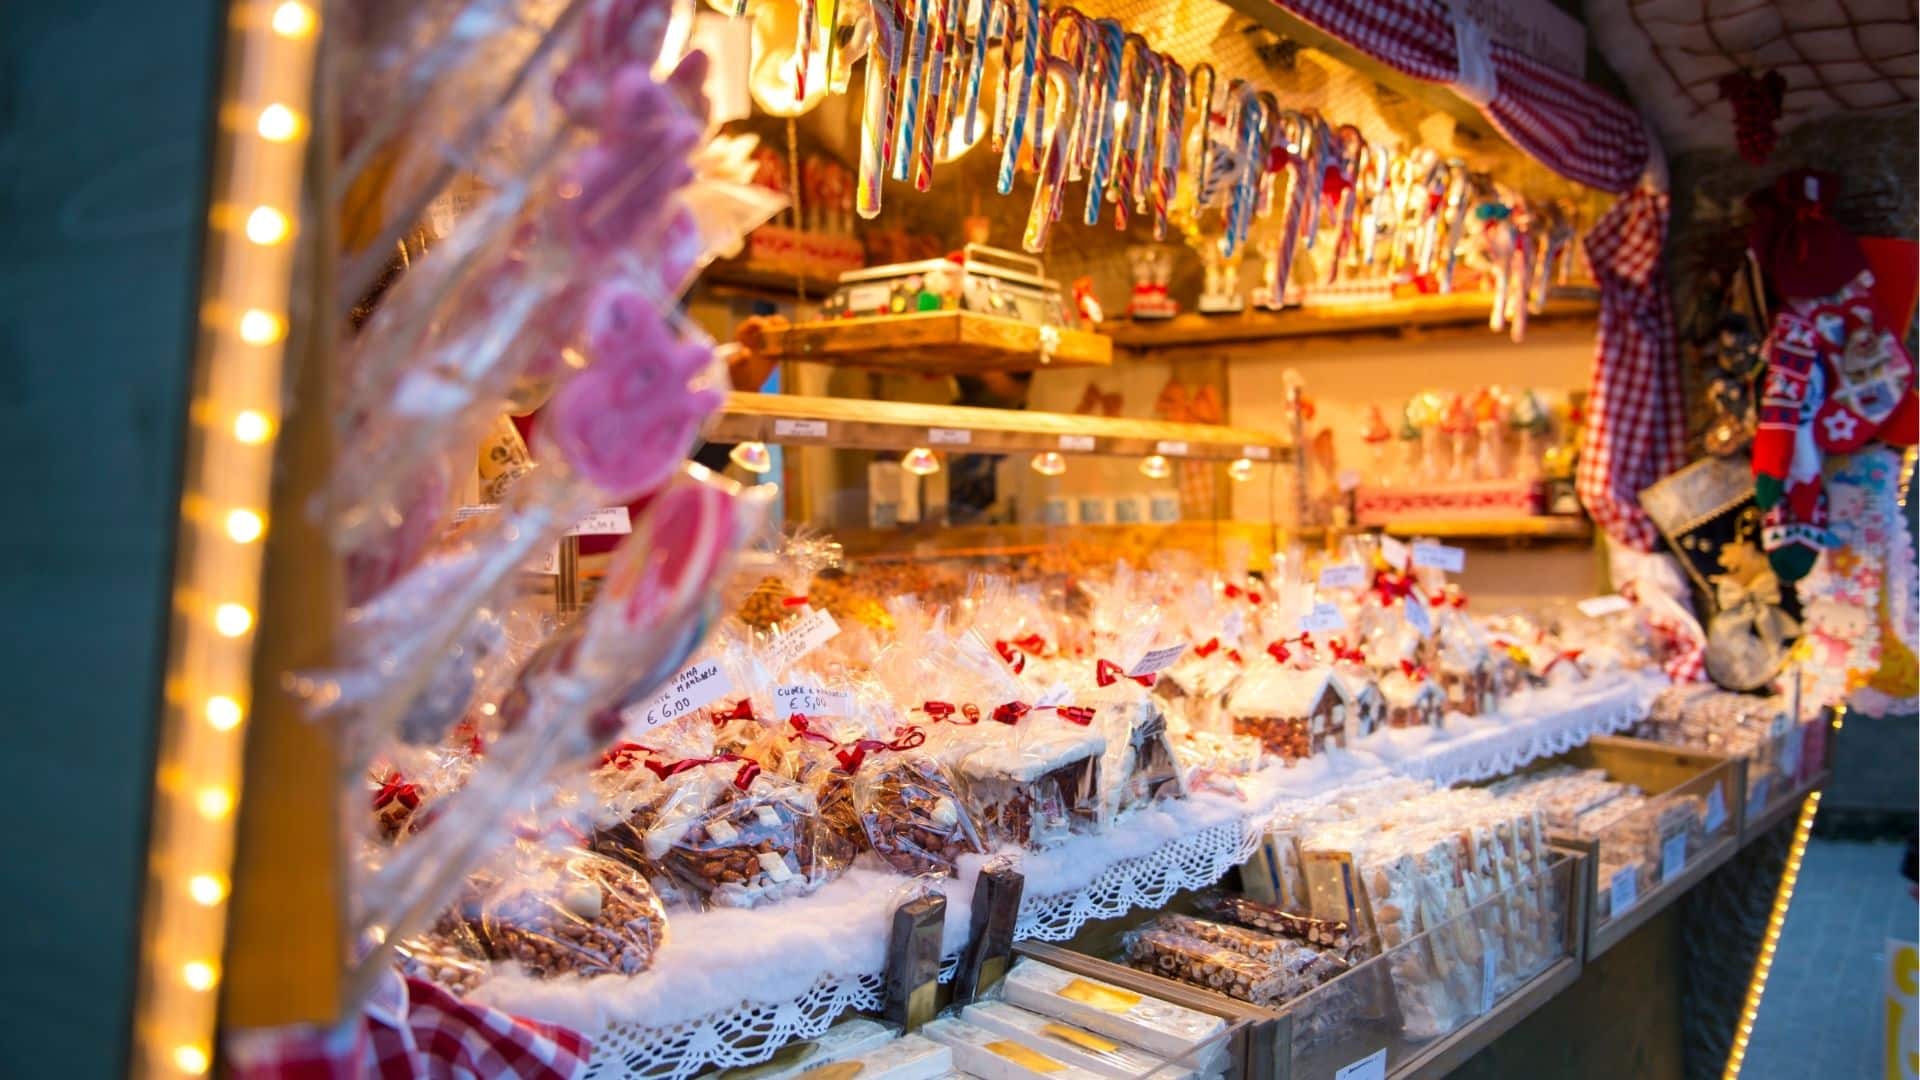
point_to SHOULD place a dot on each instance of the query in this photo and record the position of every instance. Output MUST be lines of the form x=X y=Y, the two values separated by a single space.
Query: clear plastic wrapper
x=574 y=913
x=912 y=815
x=1202 y=963
x=1325 y=933
x=1070 y=1044
x=1160 y=1027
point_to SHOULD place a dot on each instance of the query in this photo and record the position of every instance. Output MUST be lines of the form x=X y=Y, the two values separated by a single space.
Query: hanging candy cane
x=1250 y=157
x=992 y=13
x=1032 y=40
x=1146 y=132
x=1348 y=150
x=1166 y=181
x=930 y=95
x=876 y=119
x=1203 y=81
x=1497 y=226
x=1459 y=201
x=803 y=47
x=1299 y=133
x=920 y=40
x=1135 y=64
x=1410 y=191
x=1318 y=149
x=1376 y=219
x=1053 y=160
x=1093 y=147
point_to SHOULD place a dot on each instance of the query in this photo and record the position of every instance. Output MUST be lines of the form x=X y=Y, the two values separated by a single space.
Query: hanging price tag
x=1393 y=551
x=1624 y=889
x=813 y=629
x=941 y=436
x=694 y=688
x=870 y=298
x=803 y=700
x=1325 y=618
x=799 y=429
x=1081 y=443
x=1595 y=607
x=1487 y=980
x=1371 y=1067
x=1170 y=448
x=1343 y=576
x=1790 y=755
x=1673 y=857
x=1419 y=617
x=1439 y=557
x=1257 y=453
x=1757 y=796
x=606 y=521
x=1716 y=809
x=1157 y=660
x=548 y=564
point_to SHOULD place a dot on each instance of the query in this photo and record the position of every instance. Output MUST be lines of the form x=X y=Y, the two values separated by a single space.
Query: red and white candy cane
x=932 y=91
x=1048 y=186
x=1202 y=99
x=919 y=36
x=1297 y=134
x=1105 y=76
x=876 y=112
x=1377 y=218
x=1340 y=182
x=1142 y=161
x=1459 y=201
x=803 y=46
x=1251 y=143
x=992 y=13
x=1173 y=127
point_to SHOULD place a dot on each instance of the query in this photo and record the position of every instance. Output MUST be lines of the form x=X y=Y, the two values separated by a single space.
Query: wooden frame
x=844 y=423
x=938 y=342
x=1390 y=316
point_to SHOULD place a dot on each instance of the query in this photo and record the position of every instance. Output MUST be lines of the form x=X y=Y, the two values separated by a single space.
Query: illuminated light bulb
x=199 y=975
x=751 y=456
x=920 y=461
x=190 y=1059
x=1241 y=469
x=223 y=712
x=293 y=19
x=260 y=327
x=277 y=123
x=267 y=226
x=245 y=526
x=213 y=803
x=1155 y=467
x=1049 y=463
x=252 y=428
x=1119 y=112
x=232 y=620
x=206 y=889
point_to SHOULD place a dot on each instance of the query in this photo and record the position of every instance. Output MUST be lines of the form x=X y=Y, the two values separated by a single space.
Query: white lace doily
x=1180 y=845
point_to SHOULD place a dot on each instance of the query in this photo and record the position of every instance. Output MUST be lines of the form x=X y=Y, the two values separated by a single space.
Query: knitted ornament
x=1868 y=373
x=1756 y=104
x=1786 y=455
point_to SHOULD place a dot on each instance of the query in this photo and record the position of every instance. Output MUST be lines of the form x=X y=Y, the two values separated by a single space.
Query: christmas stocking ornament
x=1792 y=360
x=1869 y=375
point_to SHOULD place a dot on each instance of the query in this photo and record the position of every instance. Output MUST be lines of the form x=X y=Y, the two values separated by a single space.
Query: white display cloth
x=732 y=986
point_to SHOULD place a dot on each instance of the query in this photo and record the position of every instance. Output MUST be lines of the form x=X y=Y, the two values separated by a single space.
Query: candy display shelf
x=790 y=419
x=939 y=342
x=1536 y=527
x=976 y=541
x=1389 y=316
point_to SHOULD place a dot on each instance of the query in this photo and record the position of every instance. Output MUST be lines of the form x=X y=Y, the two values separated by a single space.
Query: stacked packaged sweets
x=1252 y=965
x=1165 y=1030
x=1640 y=838
x=1760 y=729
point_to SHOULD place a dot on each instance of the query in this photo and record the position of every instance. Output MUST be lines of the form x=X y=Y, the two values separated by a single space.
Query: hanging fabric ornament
x=1868 y=372
x=1807 y=256
x=1756 y=102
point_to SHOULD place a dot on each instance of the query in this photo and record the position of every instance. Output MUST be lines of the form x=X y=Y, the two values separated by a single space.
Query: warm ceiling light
x=232 y=620
x=267 y=226
x=260 y=327
x=920 y=461
x=751 y=456
x=206 y=889
x=1155 y=467
x=199 y=975
x=277 y=123
x=1241 y=469
x=1049 y=463
x=293 y=19
x=223 y=712
x=252 y=428
x=190 y=1059
x=244 y=526
x=213 y=803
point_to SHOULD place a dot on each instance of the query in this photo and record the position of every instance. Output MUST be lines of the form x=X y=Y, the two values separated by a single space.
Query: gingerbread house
x=1464 y=667
x=1294 y=712
x=1369 y=713
x=1413 y=700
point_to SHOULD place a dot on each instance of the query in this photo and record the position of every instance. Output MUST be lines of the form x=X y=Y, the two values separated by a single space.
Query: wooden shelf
x=730 y=276
x=1007 y=541
x=1393 y=316
x=1780 y=808
x=936 y=342
x=793 y=420
x=1539 y=527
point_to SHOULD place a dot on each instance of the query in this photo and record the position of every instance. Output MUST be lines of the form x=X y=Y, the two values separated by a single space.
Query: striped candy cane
x=1032 y=40
x=1203 y=83
x=1348 y=153
x=883 y=75
x=992 y=12
x=1166 y=182
x=1144 y=102
x=1048 y=185
x=921 y=39
x=928 y=128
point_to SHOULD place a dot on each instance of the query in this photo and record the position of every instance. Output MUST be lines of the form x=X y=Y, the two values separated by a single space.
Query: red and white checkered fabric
x=1568 y=125
x=412 y=1030
x=1636 y=429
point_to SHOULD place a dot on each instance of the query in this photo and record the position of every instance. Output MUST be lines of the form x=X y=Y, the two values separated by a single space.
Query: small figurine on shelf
x=1490 y=410
x=1085 y=304
x=1457 y=422
x=1151 y=265
x=1424 y=414
x=1377 y=436
x=1529 y=420
x=1220 y=293
x=939 y=290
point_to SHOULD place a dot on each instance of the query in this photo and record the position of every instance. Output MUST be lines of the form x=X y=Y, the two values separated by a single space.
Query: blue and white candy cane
x=920 y=34
x=1106 y=84
x=992 y=12
x=1146 y=128
x=1033 y=40
x=1295 y=133
x=1250 y=158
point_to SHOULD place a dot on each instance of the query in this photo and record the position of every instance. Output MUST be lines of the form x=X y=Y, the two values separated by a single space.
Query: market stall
x=1121 y=539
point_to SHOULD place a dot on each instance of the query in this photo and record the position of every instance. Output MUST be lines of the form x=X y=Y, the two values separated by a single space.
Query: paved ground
x=1821 y=1014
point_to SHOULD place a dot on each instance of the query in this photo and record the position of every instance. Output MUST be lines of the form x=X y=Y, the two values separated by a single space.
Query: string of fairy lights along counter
x=238 y=364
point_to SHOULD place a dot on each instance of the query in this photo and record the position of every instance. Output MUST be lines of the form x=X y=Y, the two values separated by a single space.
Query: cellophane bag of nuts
x=449 y=953
x=1174 y=955
x=560 y=912
x=782 y=591
x=823 y=750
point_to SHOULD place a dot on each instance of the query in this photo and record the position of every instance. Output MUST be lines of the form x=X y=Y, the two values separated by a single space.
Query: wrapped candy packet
x=1326 y=933
x=574 y=913
x=1202 y=963
x=913 y=818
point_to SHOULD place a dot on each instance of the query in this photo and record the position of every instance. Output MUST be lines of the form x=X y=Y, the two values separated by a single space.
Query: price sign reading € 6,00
x=694 y=688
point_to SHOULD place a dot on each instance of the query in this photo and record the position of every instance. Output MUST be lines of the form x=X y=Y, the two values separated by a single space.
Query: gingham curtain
x=1568 y=125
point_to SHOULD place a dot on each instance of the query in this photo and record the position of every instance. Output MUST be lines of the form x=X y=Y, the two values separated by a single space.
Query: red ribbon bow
x=1234 y=655
x=1106 y=673
x=1207 y=648
x=742 y=710
x=1015 y=659
x=795 y=601
x=1416 y=672
x=395 y=787
x=1232 y=592
x=943 y=710
x=1077 y=714
x=1281 y=654
x=1341 y=651
x=1571 y=656
x=1440 y=599
x=1011 y=712
x=1391 y=586
x=622 y=755
x=743 y=779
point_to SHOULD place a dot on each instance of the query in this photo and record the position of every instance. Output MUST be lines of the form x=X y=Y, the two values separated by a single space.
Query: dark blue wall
x=105 y=114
